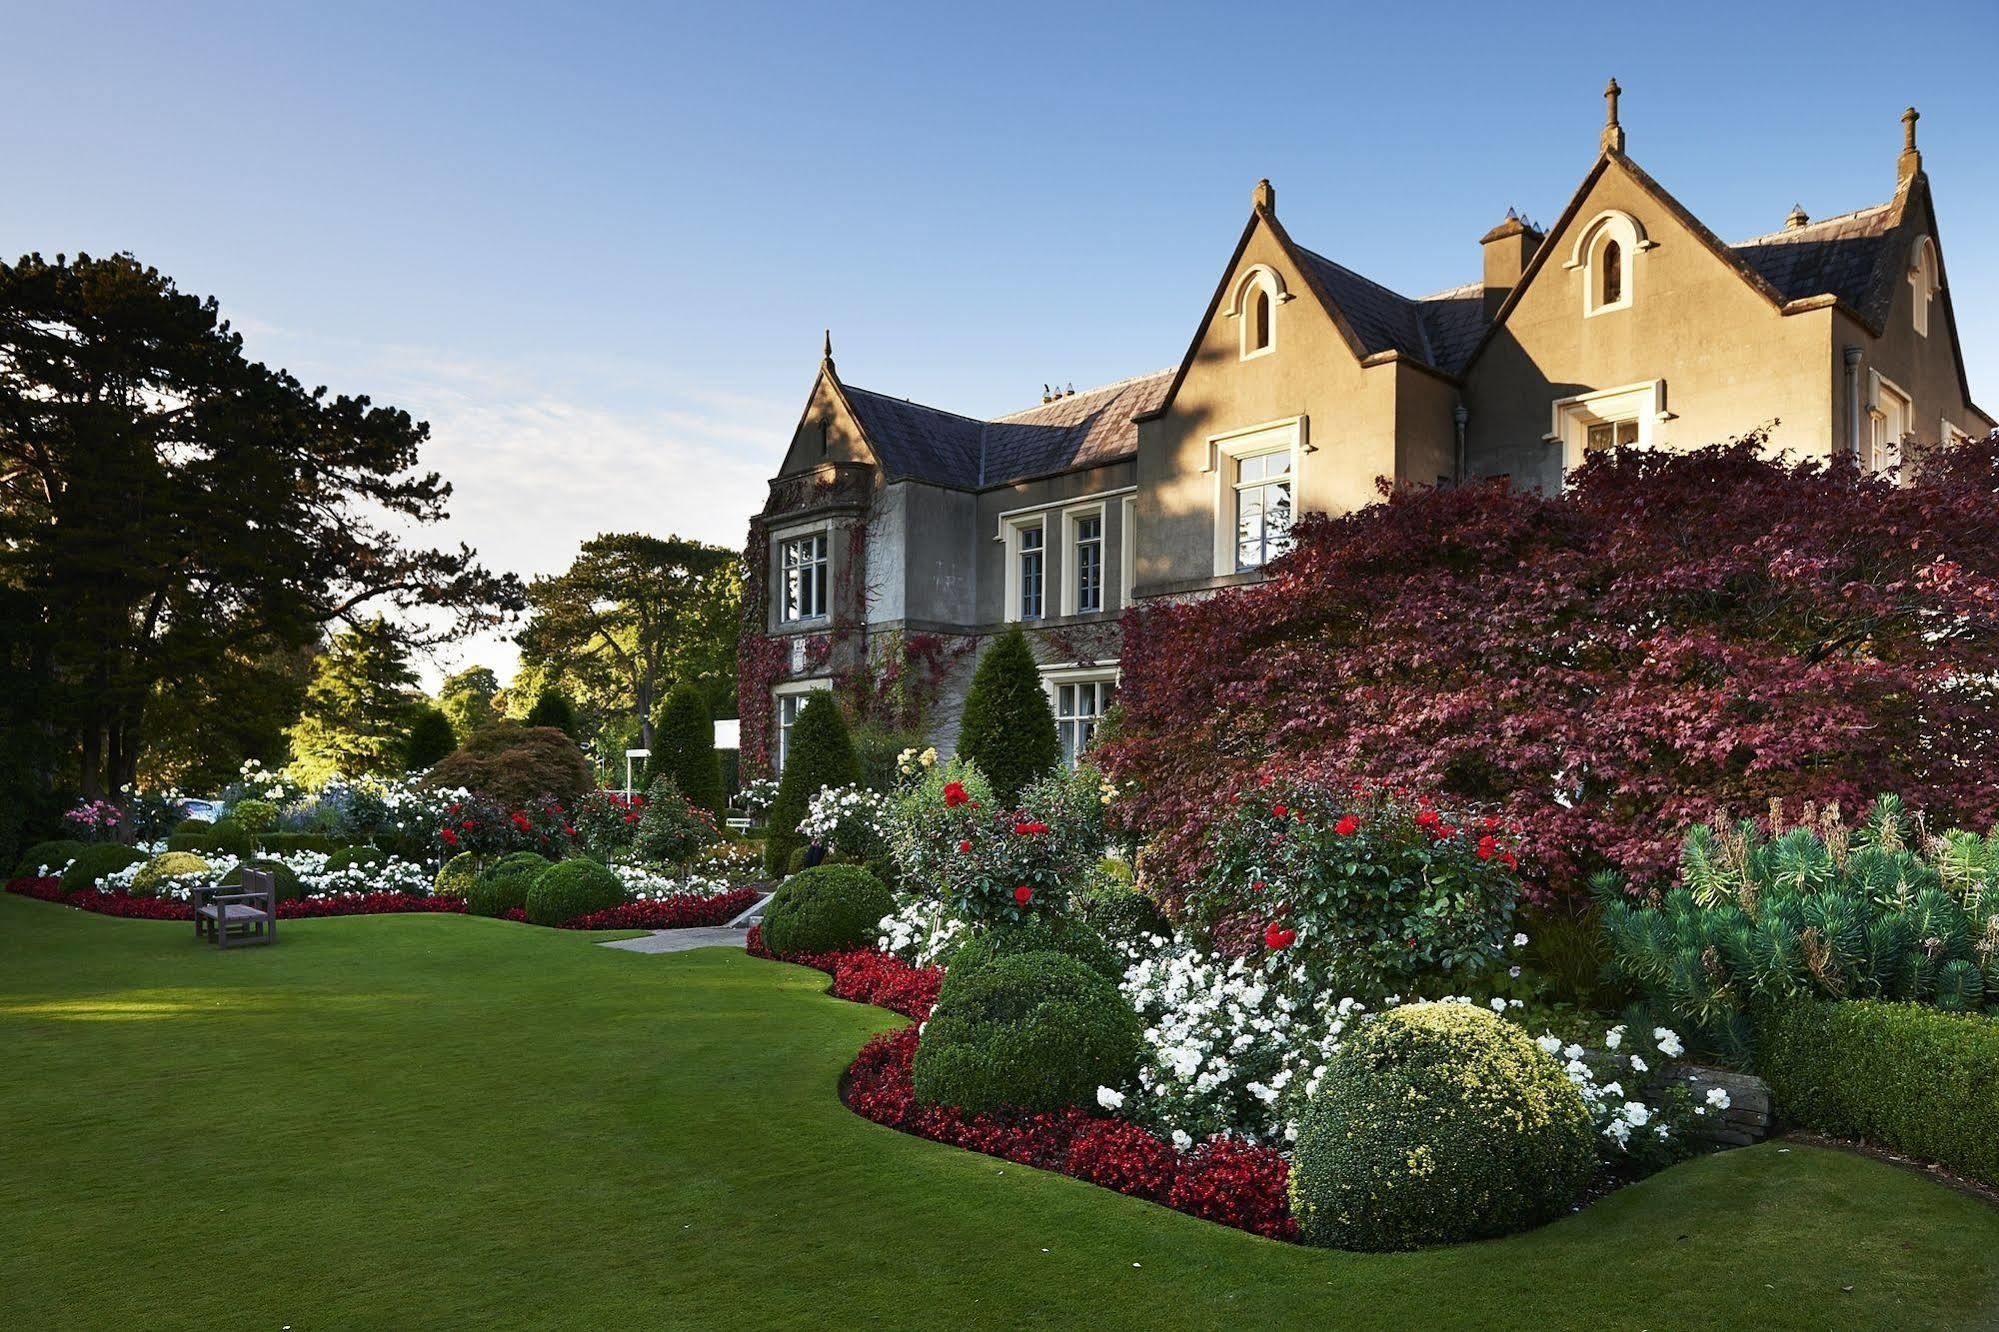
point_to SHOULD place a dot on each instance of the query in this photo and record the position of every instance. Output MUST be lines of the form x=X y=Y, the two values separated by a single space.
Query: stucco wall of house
x=1731 y=363
x=938 y=575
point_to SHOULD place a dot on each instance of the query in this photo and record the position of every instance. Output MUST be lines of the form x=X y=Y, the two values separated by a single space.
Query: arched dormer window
x=1607 y=252
x=1257 y=297
x=1925 y=280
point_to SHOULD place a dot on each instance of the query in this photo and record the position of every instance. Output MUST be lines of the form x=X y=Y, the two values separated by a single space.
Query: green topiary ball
x=456 y=875
x=92 y=862
x=50 y=855
x=355 y=857
x=1053 y=934
x=259 y=816
x=824 y=909
x=504 y=886
x=572 y=888
x=1434 y=1124
x=161 y=870
x=192 y=825
x=1038 y=1031
x=232 y=838
x=283 y=880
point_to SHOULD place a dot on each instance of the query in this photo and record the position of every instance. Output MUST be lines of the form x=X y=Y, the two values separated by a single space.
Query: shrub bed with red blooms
x=1229 y=1181
x=1670 y=633
x=679 y=912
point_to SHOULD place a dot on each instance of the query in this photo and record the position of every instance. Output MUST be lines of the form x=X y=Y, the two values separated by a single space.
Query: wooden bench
x=248 y=914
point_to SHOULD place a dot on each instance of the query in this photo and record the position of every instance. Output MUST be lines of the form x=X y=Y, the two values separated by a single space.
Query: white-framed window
x=1256 y=493
x=1080 y=698
x=1083 y=593
x=802 y=569
x=1925 y=279
x=1026 y=567
x=1606 y=253
x=1894 y=420
x=1254 y=309
x=1950 y=434
x=1618 y=418
x=789 y=700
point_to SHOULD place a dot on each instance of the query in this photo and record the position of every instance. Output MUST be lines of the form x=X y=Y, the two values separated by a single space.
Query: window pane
x=1599 y=438
x=1627 y=432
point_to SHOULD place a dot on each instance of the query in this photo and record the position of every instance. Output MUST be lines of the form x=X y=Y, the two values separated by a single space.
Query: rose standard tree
x=170 y=508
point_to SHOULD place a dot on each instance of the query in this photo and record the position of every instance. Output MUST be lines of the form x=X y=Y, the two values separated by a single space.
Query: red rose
x=1276 y=937
x=954 y=794
x=1347 y=826
x=1257 y=886
x=965 y=848
x=1427 y=819
x=1280 y=810
x=450 y=837
x=1023 y=894
x=568 y=831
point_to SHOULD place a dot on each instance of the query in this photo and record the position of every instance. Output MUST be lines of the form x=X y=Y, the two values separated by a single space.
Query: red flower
x=1257 y=886
x=1280 y=810
x=450 y=837
x=1277 y=938
x=1427 y=819
x=965 y=848
x=1347 y=826
x=954 y=795
x=1023 y=894
x=1487 y=847
x=468 y=824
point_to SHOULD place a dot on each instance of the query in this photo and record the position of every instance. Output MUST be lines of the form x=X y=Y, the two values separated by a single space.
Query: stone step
x=751 y=915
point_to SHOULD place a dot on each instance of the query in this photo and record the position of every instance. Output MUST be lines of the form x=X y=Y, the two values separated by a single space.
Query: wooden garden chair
x=249 y=914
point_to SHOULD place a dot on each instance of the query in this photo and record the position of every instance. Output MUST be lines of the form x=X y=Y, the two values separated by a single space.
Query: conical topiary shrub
x=683 y=748
x=1008 y=729
x=820 y=754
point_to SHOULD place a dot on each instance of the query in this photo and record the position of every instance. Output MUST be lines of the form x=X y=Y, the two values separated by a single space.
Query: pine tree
x=683 y=748
x=1008 y=729
x=430 y=738
x=820 y=754
x=357 y=709
x=553 y=708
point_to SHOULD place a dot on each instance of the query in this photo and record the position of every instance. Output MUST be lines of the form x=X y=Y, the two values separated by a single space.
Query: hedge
x=54 y=855
x=825 y=909
x=95 y=861
x=572 y=888
x=1906 y=1076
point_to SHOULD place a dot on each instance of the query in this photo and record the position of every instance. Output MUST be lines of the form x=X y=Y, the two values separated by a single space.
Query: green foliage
x=467 y=703
x=1037 y=1031
x=572 y=888
x=683 y=748
x=1907 y=1077
x=671 y=829
x=255 y=817
x=878 y=749
x=189 y=841
x=355 y=857
x=95 y=860
x=456 y=875
x=231 y=838
x=1007 y=727
x=284 y=882
x=504 y=885
x=951 y=835
x=516 y=764
x=1039 y=934
x=282 y=842
x=162 y=869
x=52 y=854
x=1435 y=1124
x=431 y=737
x=1110 y=903
x=553 y=708
x=825 y=909
x=1811 y=911
x=357 y=709
x=193 y=826
x=821 y=754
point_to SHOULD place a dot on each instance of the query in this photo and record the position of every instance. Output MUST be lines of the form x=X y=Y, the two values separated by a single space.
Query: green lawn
x=426 y=1121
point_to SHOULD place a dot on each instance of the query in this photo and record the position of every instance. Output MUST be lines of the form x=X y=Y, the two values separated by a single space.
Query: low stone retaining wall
x=1747 y=1118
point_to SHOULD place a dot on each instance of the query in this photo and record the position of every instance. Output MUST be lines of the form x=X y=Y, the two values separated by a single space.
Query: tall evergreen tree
x=1008 y=729
x=553 y=708
x=683 y=748
x=467 y=699
x=430 y=738
x=357 y=710
x=820 y=754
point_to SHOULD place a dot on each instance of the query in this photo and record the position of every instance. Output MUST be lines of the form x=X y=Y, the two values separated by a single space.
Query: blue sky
x=595 y=245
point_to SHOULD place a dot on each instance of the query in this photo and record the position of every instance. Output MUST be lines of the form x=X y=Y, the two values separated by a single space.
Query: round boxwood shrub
x=1055 y=934
x=163 y=868
x=456 y=875
x=95 y=860
x=259 y=816
x=1039 y=1031
x=351 y=857
x=232 y=838
x=1434 y=1124
x=193 y=825
x=504 y=886
x=827 y=908
x=572 y=888
x=54 y=854
x=283 y=880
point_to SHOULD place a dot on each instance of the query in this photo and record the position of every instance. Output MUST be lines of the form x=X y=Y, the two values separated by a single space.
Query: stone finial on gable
x=1911 y=161
x=1263 y=199
x=1613 y=133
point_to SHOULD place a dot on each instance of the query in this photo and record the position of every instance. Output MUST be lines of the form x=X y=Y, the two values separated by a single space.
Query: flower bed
x=1225 y=1180
x=663 y=913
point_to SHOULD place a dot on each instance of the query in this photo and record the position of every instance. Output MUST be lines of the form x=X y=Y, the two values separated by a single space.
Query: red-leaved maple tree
x=1673 y=633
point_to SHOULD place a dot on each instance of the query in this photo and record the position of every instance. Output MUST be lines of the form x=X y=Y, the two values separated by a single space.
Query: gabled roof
x=1083 y=429
x=1839 y=257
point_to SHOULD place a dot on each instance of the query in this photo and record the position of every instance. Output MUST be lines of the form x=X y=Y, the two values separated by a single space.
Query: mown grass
x=427 y=1121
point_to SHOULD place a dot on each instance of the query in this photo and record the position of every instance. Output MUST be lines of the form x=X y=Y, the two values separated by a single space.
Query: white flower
x=1613 y=1038
x=1572 y=1052
x=1636 y=1114
x=1718 y=1098
x=1110 y=1098
x=1549 y=1043
x=1668 y=1042
x=1499 y=1005
x=1513 y=972
x=1519 y=941
x=1181 y=1140
x=1639 y=1064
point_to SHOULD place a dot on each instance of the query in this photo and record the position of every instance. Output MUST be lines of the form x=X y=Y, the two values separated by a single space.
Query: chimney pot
x=1797 y=217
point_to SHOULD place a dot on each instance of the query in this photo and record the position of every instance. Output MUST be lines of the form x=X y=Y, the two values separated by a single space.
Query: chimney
x=1911 y=161
x=1263 y=199
x=1797 y=217
x=1509 y=248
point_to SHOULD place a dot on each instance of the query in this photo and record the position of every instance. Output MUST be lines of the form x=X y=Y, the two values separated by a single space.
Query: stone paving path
x=680 y=941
